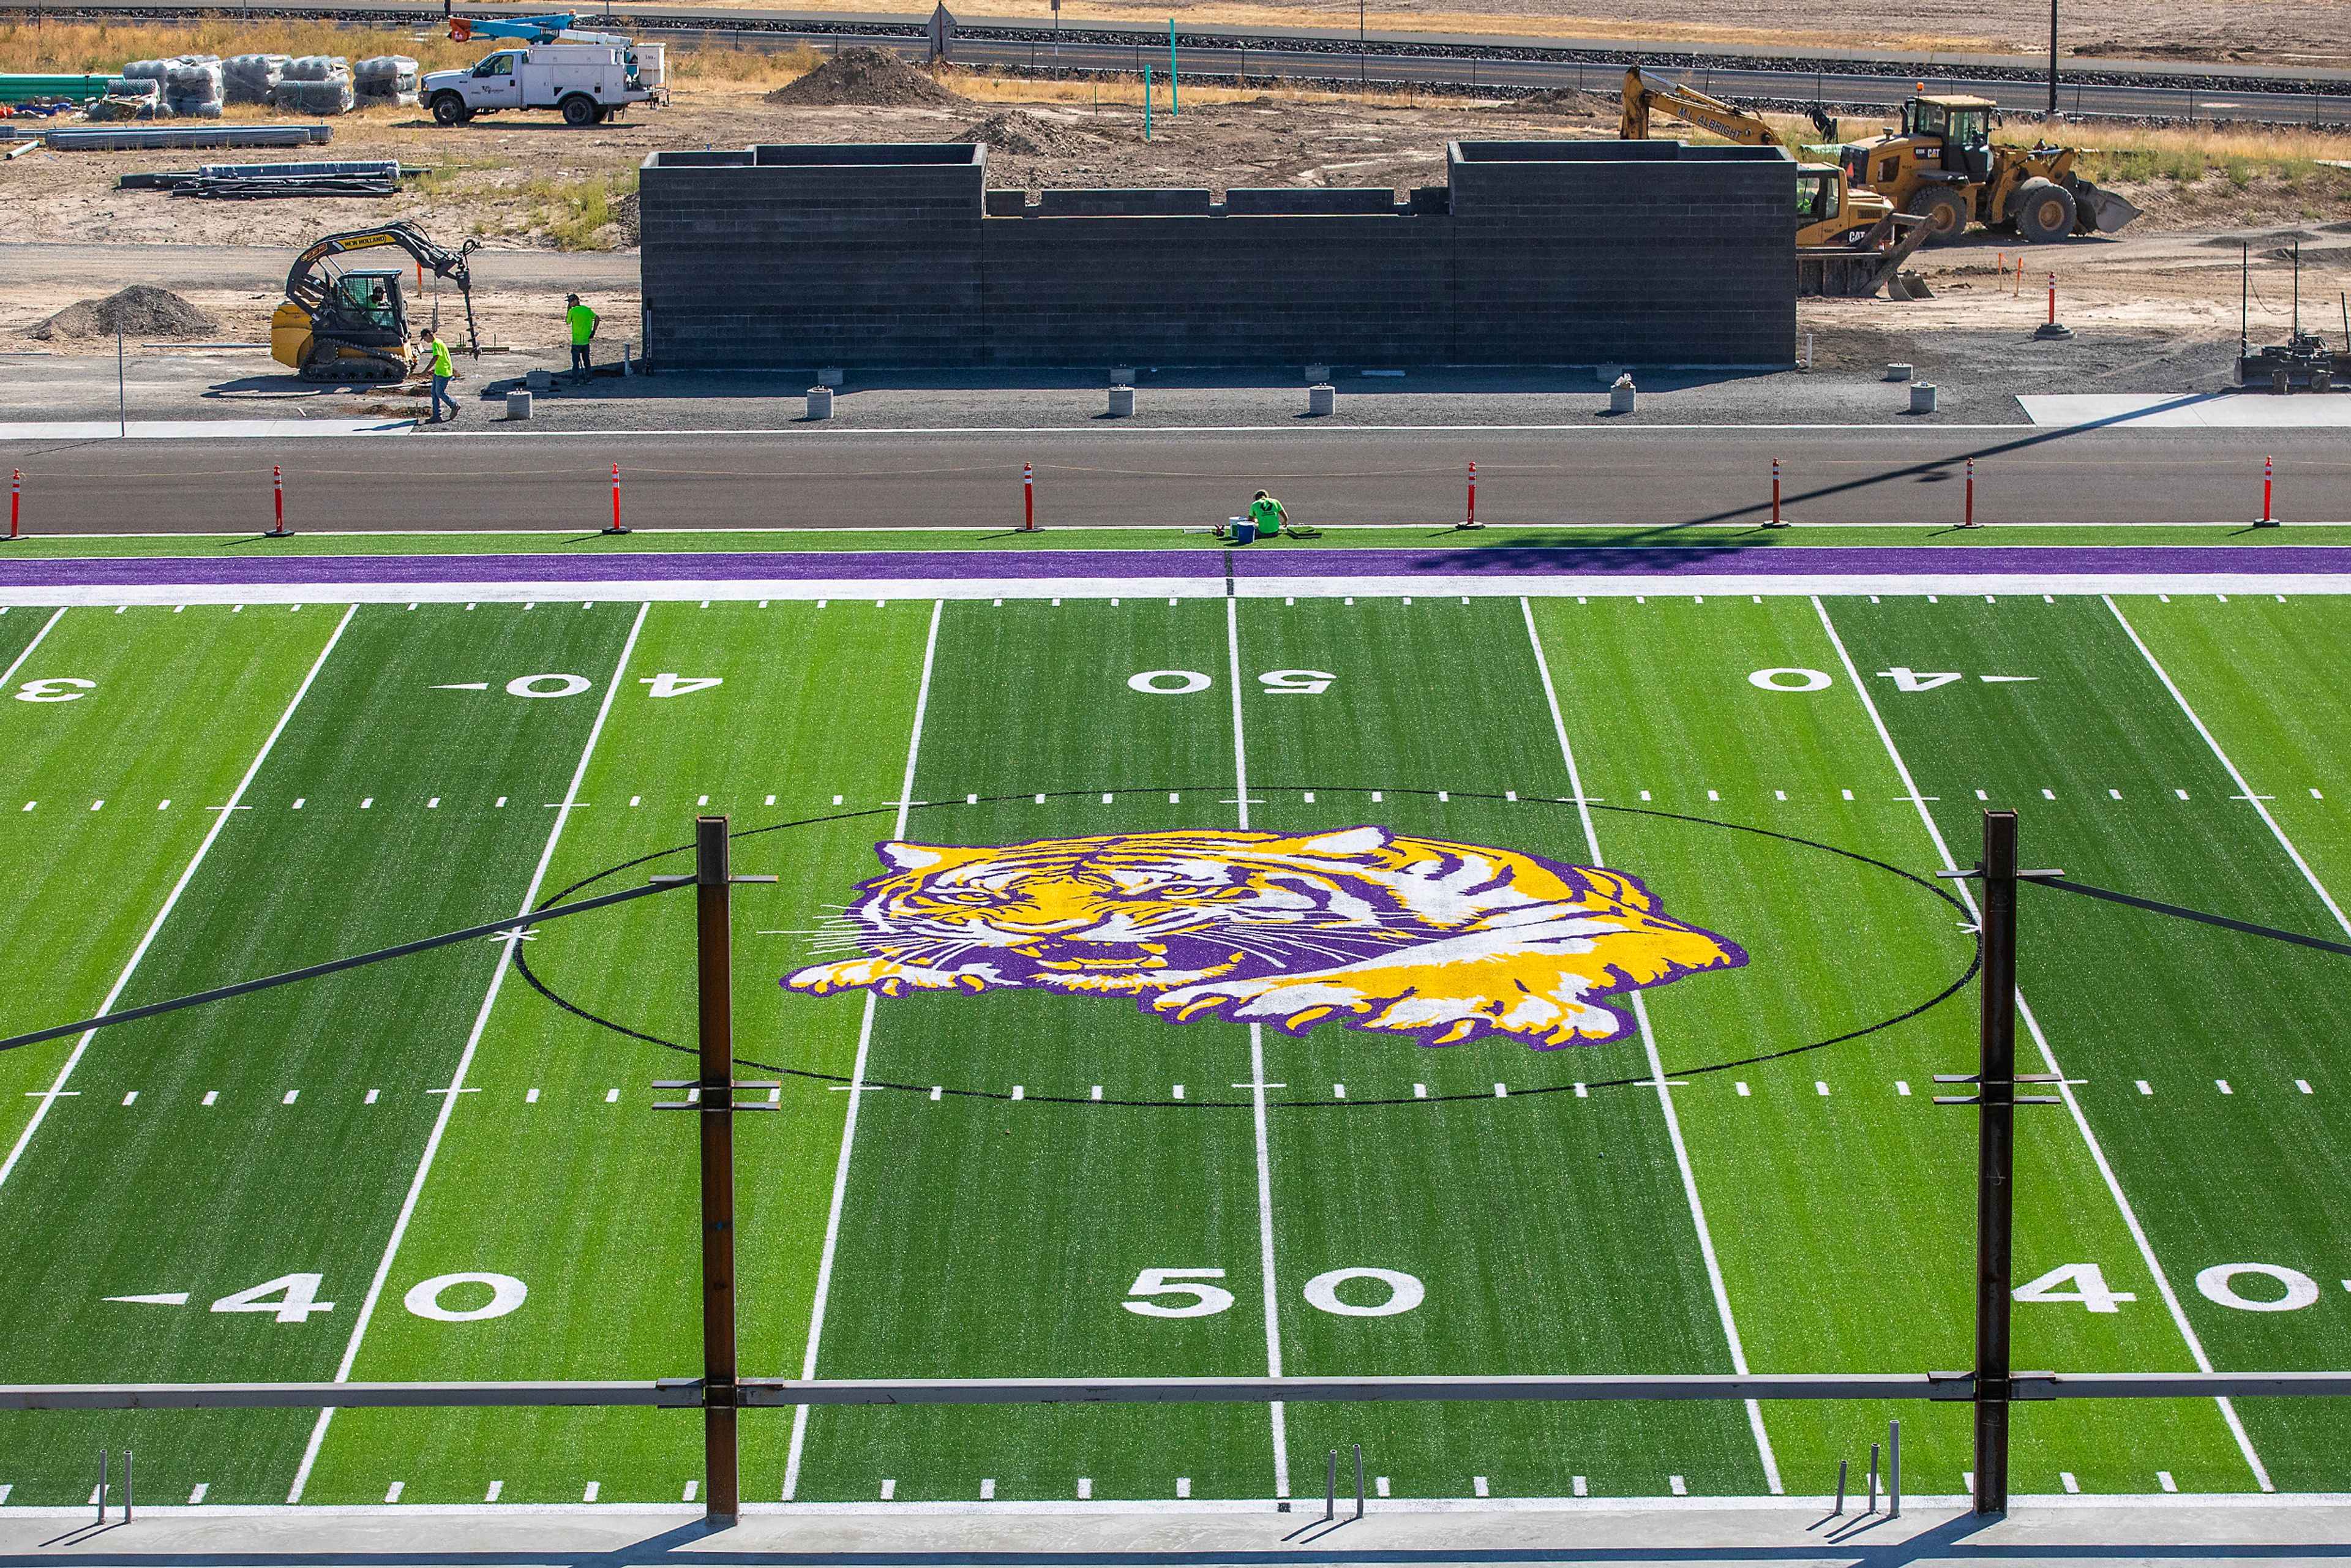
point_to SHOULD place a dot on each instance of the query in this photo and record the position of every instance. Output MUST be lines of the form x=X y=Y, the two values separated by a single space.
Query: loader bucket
x=2101 y=210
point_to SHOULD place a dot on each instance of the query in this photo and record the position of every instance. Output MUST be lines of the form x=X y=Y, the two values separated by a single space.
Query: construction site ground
x=2155 y=310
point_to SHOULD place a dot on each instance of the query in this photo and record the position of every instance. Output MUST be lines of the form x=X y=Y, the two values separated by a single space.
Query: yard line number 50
x=1183 y=1293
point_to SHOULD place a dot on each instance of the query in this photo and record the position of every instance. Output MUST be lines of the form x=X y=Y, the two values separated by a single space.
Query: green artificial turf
x=1554 y=1228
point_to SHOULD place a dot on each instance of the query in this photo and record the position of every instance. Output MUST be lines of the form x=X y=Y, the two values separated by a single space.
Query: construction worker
x=583 y=334
x=1267 y=514
x=442 y=371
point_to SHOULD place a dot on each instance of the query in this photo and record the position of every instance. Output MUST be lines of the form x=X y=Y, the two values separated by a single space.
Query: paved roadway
x=1851 y=78
x=1660 y=477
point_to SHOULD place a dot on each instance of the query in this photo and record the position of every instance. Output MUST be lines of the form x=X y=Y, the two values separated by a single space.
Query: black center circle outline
x=1975 y=956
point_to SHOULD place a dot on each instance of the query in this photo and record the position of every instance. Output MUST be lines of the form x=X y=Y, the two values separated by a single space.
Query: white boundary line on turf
x=18 y=662
x=1276 y=1411
x=2049 y=1060
x=2245 y=790
x=465 y=1059
x=856 y=1085
x=41 y=1112
x=1658 y=1075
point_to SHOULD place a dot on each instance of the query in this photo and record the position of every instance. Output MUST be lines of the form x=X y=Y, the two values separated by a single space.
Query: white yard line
x=465 y=1058
x=856 y=1086
x=1657 y=1076
x=1277 y=1412
x=2049 y=1061
x=2244 y=790
x=18 y=662
x=41 y=1112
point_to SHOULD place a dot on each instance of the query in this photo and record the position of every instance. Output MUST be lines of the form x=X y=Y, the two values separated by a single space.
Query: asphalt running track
x=1592 y=474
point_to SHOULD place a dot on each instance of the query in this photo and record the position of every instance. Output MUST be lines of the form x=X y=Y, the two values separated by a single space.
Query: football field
x=1005 y=1146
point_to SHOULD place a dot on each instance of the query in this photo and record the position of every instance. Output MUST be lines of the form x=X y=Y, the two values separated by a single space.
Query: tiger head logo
x=1376 y=930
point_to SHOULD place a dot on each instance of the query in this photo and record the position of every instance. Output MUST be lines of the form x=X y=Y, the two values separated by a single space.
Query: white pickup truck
x=588 y=81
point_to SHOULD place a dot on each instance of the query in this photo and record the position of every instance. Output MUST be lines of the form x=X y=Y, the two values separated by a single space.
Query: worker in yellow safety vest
x=583 y=334
x=442 y=371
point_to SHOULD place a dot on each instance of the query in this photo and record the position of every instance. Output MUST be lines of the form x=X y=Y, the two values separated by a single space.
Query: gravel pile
x=866 y=78
x=1029 y=136
x=138 y=311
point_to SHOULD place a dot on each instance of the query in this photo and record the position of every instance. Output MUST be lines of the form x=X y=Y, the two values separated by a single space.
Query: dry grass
x=748 y=68
x=1128 y=89
x=1223 y=13
x=102 y=47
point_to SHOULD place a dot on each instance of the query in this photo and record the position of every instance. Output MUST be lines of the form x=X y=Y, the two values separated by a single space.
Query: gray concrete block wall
x=1566 y=252
x=796 y=263
x=1224 y=290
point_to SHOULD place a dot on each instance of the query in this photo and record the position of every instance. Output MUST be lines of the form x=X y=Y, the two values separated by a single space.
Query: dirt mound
x=1029 y=136
x=136 y=312
x=1566 y=100
x=866 y=78
x=626 y=224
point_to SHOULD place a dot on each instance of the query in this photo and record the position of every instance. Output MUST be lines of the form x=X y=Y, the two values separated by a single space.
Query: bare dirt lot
x=528 y=183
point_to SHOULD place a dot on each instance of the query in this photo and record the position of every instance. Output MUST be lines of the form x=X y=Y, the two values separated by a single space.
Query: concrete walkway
x=2110 y=1531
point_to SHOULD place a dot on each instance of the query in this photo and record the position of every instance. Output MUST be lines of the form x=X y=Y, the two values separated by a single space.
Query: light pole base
x=2052 y=330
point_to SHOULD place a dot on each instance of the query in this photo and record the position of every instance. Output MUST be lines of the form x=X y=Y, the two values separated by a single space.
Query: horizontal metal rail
x=686 y=1394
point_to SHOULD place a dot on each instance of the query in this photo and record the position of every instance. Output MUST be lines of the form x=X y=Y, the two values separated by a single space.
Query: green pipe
x=1146 y=101
x=1172 y=108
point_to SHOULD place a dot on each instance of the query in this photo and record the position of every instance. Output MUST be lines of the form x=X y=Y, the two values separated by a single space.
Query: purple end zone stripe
x=1496 y=560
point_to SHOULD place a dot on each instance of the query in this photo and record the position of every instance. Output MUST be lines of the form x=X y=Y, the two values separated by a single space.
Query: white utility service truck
x=587 y=81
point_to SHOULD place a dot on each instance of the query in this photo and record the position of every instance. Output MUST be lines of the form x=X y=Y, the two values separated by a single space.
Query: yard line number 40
x=2084 y=1284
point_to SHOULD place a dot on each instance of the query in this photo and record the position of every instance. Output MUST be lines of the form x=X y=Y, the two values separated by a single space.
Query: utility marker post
x=1996 y=1158
x=1996 y=1101
x=713 y=1099
x=713 y=984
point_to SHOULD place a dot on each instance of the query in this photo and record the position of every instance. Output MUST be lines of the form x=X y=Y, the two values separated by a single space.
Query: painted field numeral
x=296 y=1297
x=2219 y=1283
x=1207 y=1301
x=669 y=683
x=2089 y=1288
x=1790 y=678
x=1907 y=679
x=53 y=689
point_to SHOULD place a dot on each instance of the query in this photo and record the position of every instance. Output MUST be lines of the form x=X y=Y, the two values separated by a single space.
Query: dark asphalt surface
x=1728 y=557
x=1661 y=478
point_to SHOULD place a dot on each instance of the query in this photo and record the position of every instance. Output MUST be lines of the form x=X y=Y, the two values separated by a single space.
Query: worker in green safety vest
x=583 y=332
x=442 y=371
x=1266 y=513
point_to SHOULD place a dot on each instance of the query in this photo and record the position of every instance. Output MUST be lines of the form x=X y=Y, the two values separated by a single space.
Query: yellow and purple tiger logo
x=1374 y=929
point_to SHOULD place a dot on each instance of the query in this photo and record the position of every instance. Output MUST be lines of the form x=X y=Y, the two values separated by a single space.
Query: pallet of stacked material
x=250 y=79
x=192 y=89
x=315 y=84
x=386 y=79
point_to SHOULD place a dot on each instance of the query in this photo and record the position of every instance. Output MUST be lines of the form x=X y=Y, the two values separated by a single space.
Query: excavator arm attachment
x=1646 y=91
x=306 y=286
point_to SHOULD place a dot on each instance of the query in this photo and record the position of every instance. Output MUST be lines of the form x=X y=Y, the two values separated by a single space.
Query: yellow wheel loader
x=350 y=323
x=1942 y=165
x=1829 y=209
